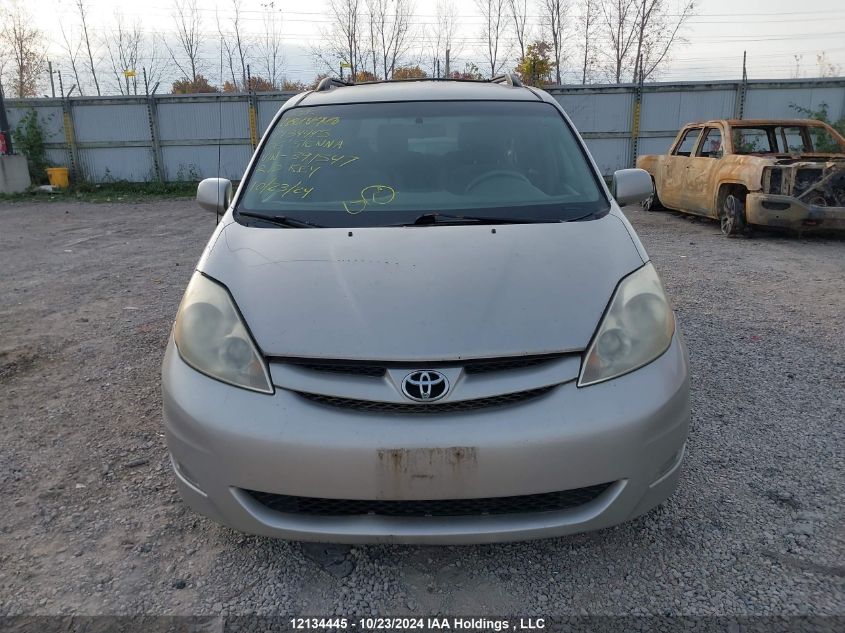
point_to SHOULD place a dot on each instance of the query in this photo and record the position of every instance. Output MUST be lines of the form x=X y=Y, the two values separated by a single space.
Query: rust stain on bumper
x=425 y=472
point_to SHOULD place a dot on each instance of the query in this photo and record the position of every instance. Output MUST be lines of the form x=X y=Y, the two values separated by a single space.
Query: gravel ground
x=90 y=522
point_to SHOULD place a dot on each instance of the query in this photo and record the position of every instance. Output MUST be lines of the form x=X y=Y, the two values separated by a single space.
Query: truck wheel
x=652 y=203
x=732 y=216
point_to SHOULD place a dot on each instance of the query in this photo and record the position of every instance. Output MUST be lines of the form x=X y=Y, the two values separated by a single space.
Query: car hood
x=423 y=293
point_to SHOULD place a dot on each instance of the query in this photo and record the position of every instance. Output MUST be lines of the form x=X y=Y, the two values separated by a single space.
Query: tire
x=732 y=216
x=652 y=203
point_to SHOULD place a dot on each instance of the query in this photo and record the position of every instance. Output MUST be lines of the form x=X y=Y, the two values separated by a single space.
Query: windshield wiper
x=282 y=220
x=433 y=218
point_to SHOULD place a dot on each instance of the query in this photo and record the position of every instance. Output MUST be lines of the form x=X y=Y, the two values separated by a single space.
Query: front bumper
x=630 y=431
x=790 y=213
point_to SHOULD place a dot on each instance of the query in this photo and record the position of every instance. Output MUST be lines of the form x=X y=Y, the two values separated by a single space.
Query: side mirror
x=214 y=194
x=631 y=186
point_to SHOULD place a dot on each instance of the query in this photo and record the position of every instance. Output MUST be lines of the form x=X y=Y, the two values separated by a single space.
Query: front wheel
x=732 y=216
x=652 y=203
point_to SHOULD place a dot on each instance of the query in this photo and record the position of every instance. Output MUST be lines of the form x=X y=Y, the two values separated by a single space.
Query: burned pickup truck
x=781 y=173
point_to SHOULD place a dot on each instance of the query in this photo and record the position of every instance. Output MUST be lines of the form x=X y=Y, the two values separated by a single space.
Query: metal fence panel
x=672 y=110
x=199 y=120
x=599 y=112
x=111 y=123
x=49 y=116
x=654 y=145
x=201 y=161
x=768 y=103
x=111 y=164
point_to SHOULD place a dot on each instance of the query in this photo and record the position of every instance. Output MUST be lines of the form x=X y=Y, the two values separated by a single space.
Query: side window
x=752 y=141
x=711 y=146
x=687 y=143
x=792 y=140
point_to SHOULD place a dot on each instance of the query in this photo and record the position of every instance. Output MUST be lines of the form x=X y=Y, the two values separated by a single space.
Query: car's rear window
x=386 y=163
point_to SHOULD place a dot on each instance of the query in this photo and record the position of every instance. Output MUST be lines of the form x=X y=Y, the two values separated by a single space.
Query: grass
x=108 y=192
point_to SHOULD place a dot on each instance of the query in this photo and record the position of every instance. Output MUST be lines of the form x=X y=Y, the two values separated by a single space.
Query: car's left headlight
x=212 y=338
x=637 y=328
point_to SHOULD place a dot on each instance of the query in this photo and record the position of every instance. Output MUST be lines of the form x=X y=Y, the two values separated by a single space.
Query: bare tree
x=493 y=13
x=124 y=49
x=189 y=38
x=619 y=18
x=587 y=25
x=270 y=47
x=343 y=37
x=154 y=63
x=86 y=39
x=390 y=23
x=657 y=25
x=827 y=68
x=796 y=72
x=23 y=49
x=519 y=14
x=442 y=36
x=552 y=16
x=447 y=25
x=641 y=34
x=71 y=49
x=234 y=44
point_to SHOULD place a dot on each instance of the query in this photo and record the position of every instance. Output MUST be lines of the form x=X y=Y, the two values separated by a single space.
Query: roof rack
x=507 y=78
x=327 y=83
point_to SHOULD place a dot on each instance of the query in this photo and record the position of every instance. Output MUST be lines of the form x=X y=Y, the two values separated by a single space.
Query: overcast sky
x=772 y=31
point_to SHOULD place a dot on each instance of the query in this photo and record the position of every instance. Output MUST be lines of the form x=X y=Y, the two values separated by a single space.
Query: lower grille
x=371 y=406
x=523 y=504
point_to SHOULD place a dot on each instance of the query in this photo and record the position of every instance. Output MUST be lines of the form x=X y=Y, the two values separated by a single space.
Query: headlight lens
x=212 y=338
x=636 y=329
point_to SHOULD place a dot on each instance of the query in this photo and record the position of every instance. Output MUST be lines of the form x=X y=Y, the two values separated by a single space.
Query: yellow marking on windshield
x=372 y=194
x=273 y=187
x=336 y=160
x=310 y=120
x=294 y=134
x=308 y=170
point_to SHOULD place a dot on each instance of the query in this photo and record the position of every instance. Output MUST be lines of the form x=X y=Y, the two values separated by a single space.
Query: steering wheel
x=496 y=173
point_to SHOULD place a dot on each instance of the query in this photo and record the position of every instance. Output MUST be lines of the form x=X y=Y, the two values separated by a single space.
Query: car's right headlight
x=212 y=338
x=637 y=328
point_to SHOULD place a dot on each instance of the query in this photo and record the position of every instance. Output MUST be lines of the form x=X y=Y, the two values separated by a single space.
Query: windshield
x=387 y=163
x=784 y=139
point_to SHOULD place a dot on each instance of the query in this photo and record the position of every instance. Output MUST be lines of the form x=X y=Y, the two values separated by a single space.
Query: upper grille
x=349 y=369
x=543 y=502
x=372 y=406
x=379 y=368
x=504 y=364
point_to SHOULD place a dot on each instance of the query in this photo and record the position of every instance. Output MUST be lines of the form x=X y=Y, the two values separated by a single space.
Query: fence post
x=152 y=116
x=253 y=123
x=635 y=124
x=70 y=138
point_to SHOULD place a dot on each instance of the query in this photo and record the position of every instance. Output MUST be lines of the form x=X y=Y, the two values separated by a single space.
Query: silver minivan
x=423 y=318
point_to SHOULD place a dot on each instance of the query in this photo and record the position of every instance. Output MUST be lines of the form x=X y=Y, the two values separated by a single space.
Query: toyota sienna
x=423 y=318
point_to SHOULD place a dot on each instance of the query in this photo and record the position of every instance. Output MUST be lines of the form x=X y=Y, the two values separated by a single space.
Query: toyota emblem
x=425 y=385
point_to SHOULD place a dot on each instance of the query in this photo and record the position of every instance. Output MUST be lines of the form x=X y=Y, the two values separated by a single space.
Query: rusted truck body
x=787 y=173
